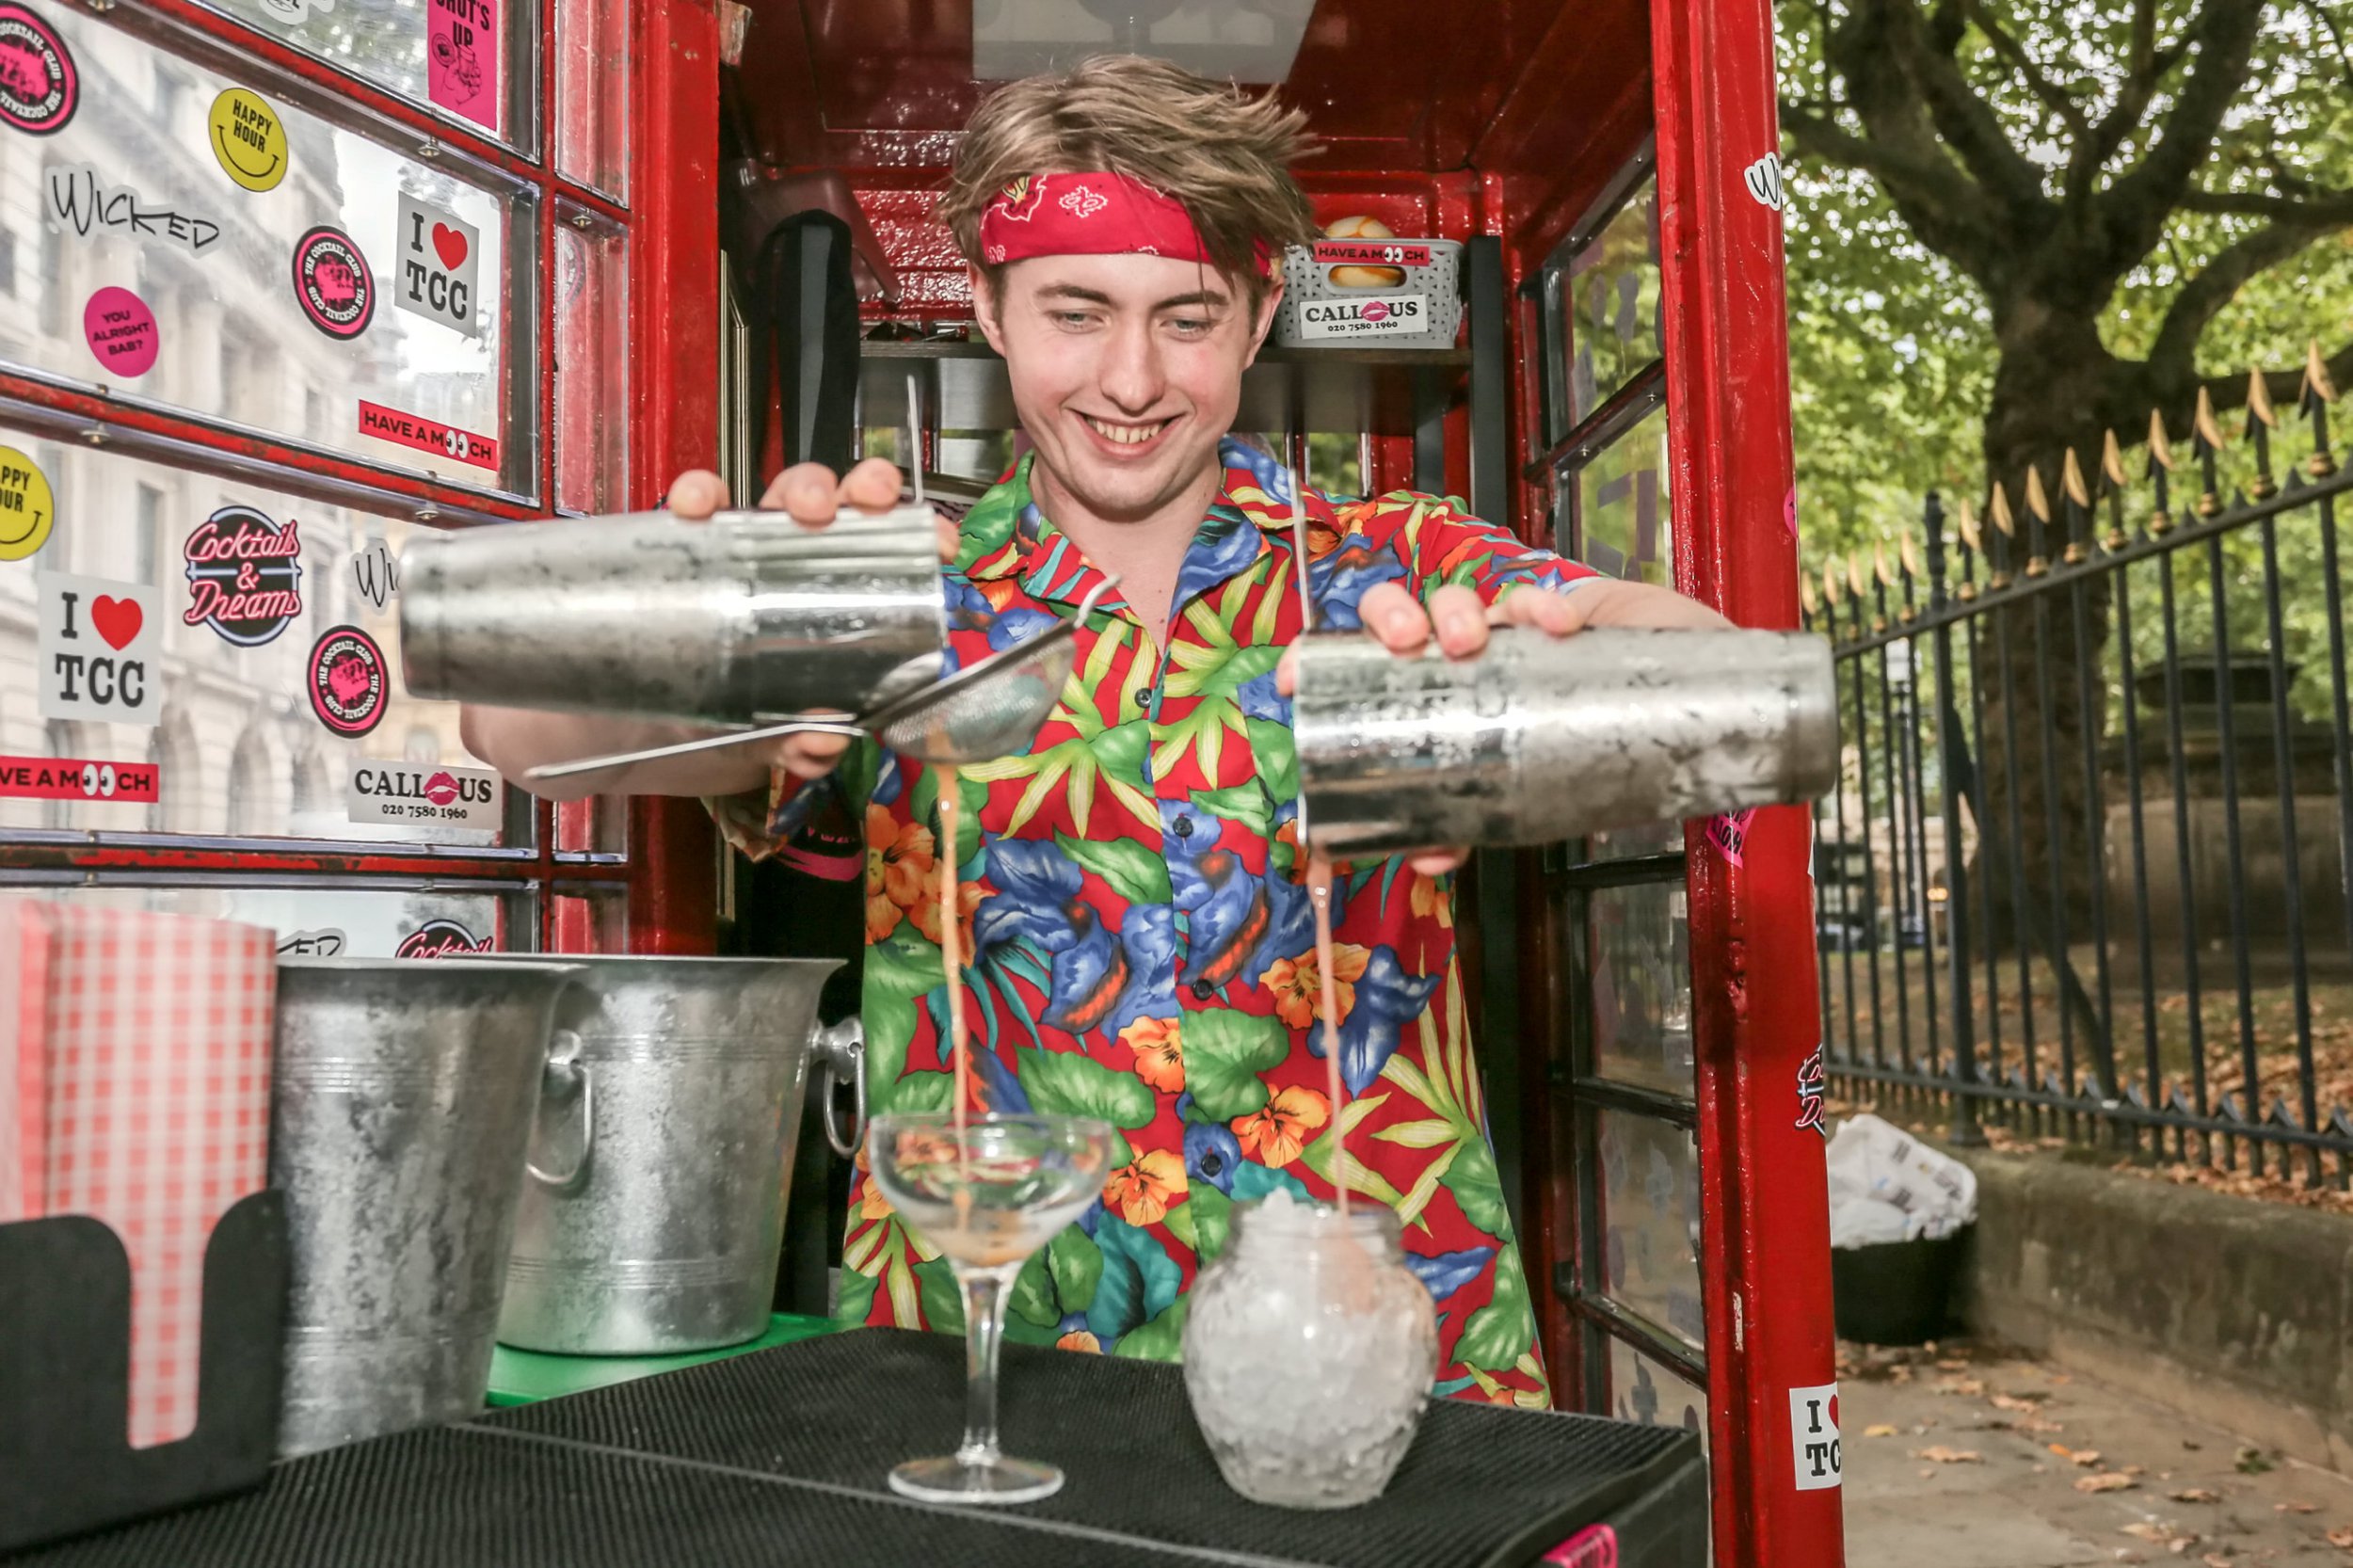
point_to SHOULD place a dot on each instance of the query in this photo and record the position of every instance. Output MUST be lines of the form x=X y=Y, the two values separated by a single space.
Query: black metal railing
x=2088 y=872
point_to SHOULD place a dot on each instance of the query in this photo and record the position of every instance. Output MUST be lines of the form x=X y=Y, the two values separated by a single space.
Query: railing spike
x=1965 y=520
x=1905 y=553
x=2112 y=460
x=2071 y=476
x=1854 y=572
x=1807 y=597
x=1830 y=581
x=1999 y=511
x=2160 y=449
x=2202 y=423
x=2038 y=501
x=2259 y=402
x=2317 y=383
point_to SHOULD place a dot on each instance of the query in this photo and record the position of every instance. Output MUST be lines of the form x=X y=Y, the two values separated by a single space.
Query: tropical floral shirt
x=1141 y=946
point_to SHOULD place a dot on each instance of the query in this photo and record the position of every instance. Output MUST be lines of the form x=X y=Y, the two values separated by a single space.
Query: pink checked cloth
x=134 y=1088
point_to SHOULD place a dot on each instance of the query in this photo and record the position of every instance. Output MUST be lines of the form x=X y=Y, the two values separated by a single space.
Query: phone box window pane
x=336 y=922
x=1638 y=979
x=591 y=366
x=1649 y=1393
x=592 y=82
x=1624 y=527
x=469 y=60
x=1650 y=1218
x=1612 y=295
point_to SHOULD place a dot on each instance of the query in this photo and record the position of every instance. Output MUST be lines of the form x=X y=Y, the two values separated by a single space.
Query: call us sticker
x=249 y=139
x=332 y=284
x=346 y=678
x=39 y=89
x=27 y=509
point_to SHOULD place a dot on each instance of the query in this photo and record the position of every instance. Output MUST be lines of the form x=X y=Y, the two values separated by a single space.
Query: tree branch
x=2229 y=390
x=2323 y=208
x=2142 y=72
x=2133 y=210
x=2173 y=352
x=1941 y=205
x=1963 y=120
x=2054 y=97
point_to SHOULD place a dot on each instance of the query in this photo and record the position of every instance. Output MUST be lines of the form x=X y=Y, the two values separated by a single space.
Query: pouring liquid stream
x=951 y=960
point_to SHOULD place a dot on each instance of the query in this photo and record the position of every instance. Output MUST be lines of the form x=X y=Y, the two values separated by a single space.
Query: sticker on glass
x=98 y=649
x=332 y=284
x=39 y=89
x=249 y=139
x=462 y=59
x=375 y=573
x=245 y=576
x=410 y=792
x=28 y=508
x=439 y=938
x=1364 y=316
x=324 y=942
x=79 y=198
x=425 y=435
x=347 y=680
x=78 y=778
x=294 y=14
x=122 y=331
x=437 y=265
x=1813 y=1436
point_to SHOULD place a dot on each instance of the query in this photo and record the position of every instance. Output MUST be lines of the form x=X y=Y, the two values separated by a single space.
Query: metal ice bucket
x=401 y=1103
x=1541 y=739
x=654 y=1212
x=747 y=618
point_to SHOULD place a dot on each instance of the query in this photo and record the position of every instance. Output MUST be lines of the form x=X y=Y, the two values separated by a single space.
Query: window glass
x=592 y=94
x=1612 y=295
x=1650 y=1217
x=469 y=59
x=337 y=923
x=1622 y=525
x=232 y=256
x=245 y=689
x=1639 y=972
x=591 y=363
x=1649 y=1393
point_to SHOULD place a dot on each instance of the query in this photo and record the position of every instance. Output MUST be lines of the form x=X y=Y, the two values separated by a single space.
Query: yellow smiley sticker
x=249 y=139
x=27 y=511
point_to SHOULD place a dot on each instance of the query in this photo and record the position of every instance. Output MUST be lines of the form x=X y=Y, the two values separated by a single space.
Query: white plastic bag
x=1886 y=1186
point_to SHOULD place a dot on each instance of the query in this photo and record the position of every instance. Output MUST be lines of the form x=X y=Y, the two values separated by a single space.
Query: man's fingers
x=950 y=541
x=1393 y=615
x=1461 y=620
x=1556 y=614
x=810 y=492
x=872 y=485
x=698 y=493
x=1287 y=672
x=812 y=756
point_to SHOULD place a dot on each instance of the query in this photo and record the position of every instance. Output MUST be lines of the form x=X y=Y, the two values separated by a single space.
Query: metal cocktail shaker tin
x=1539 y=738
x=745 y=618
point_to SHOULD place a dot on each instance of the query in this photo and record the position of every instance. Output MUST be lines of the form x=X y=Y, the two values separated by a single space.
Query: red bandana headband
x=1093 y=215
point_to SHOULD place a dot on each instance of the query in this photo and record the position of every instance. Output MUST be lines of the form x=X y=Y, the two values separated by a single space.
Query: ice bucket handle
x=563 y=1063
x=841 y=1056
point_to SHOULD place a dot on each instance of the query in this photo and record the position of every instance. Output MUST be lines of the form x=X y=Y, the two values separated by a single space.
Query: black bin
x=1896 y=1292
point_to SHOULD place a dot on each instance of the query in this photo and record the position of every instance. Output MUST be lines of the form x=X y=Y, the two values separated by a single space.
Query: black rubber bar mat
x=779 y=1457
x=1481 y=1486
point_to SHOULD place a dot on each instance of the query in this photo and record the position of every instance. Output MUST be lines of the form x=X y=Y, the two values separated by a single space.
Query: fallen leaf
x=1879 y=1430
x=2134 y=1469
x=2299 y=1508
x=2015 y=1403
x=2085 y=1457
x=1944 y=1455
x=2217 y=1559
x=2195 y=1495
x=1957 y=1385
x=1927 y=1473
x=2342 y=1536
x=2061 y=1450
x=2110 y=1483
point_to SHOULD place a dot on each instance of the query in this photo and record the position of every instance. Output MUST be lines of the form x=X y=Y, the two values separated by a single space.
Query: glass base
x=997 y=1480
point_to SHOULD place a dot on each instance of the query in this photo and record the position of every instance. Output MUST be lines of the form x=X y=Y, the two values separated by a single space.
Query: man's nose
x=1132 y=375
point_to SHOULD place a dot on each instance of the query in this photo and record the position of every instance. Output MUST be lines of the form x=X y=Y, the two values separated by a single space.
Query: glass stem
x=984 y=1293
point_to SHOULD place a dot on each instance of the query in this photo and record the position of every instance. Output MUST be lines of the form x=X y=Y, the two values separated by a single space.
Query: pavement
x=1968 y=1456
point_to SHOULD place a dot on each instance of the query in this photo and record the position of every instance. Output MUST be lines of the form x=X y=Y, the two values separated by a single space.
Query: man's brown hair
x=1222 y=153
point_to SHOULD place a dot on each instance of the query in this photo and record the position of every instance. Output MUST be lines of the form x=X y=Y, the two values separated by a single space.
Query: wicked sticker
x=425 y=435
x=294 y=14
x=408 y=792
x=462 y=70
x=375 y=573
x=332 y=284
x=439 y=938
x=77 y=778
x=1811 y=1081
x=39 y=89
x=347 y=680
x=122 y=331
x=437 y=265
x=249 y=139
x=27 y=509
x=324 y=942
x=99 y=648
x=79 y=198
x=245 y=576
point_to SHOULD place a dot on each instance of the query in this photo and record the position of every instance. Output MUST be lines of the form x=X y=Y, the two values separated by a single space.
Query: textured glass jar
x=1309 y=1349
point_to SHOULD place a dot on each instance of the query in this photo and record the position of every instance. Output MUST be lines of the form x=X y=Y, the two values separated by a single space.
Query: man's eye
x=1073 y=318
x=1192 y=327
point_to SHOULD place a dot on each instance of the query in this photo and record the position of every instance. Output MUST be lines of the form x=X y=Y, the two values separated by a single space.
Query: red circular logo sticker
x=39 y=89
x=333 y=281
x=347 y=680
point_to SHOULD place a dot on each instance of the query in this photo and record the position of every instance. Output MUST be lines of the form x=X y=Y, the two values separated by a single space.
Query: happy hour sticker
x=97 y=643
x=122 y=331
x=27 y=509
x=437 y=265
x=249 y=139
x=39 y=89
x=462 y=59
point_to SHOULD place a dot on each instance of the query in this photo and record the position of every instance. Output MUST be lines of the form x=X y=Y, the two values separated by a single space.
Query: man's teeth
x=1126 y=435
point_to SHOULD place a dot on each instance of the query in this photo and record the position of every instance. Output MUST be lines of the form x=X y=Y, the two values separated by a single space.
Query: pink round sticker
x=122 y=331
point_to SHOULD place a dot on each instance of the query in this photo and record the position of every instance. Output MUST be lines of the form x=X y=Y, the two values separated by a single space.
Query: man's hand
x=812 y=495
x=1460 y=620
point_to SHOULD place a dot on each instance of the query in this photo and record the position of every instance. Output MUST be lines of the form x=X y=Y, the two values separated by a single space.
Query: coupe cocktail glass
x=988 y=1193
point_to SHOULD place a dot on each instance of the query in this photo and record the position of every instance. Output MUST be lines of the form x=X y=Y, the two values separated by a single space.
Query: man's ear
x=985 y=309
x=1265 y=323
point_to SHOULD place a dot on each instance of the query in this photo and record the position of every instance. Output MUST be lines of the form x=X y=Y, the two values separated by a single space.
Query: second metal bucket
x=400 y=1106
x=653 y=1213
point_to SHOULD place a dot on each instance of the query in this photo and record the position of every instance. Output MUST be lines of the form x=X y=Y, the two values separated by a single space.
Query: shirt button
x=1143 y=697
x=1184 y=827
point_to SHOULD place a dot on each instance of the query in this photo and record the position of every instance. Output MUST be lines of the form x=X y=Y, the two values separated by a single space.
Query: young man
x=1139 y=941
